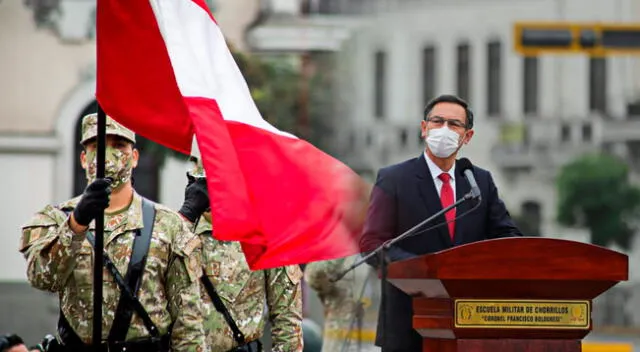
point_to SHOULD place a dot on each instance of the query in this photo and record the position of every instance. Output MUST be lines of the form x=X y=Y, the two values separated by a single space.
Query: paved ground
x=27 y=312
x=32 y=314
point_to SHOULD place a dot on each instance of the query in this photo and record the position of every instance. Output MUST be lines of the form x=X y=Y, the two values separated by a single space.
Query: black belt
x=253 y=346
x=149 y=344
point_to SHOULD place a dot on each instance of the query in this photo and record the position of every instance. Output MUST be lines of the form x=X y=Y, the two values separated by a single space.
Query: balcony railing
x=627 y=130
x=374 y=145
x=545 y=142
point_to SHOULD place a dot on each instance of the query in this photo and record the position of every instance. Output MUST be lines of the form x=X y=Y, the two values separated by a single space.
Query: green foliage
x=594 y=191
x=275 y=84
x=275 y=88
x=322 y=102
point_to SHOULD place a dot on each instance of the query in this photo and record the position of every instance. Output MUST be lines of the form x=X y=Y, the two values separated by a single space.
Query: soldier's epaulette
x=48 y=216
x=294 y=273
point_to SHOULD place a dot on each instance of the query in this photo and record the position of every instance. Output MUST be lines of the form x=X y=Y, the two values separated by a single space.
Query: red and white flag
x=165 y=71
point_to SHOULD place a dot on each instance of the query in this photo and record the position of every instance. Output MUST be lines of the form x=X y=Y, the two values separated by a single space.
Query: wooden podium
x=524 y=294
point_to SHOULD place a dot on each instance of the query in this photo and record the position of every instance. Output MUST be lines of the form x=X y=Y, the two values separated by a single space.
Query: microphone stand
x=380 y=251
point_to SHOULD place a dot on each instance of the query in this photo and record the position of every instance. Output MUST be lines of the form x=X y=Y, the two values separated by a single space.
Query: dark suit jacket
x=404 y=195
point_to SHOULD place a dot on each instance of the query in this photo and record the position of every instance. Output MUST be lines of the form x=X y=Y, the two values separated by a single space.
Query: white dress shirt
x=436 y=171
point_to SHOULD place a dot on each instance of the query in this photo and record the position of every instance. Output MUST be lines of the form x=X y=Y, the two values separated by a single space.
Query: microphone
x=467 y=169
x=410 y=232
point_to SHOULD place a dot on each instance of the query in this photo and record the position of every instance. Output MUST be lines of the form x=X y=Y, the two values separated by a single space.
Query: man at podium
x=407 y=193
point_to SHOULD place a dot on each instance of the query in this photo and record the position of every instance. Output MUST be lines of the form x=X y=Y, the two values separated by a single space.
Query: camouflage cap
x=196 y=169
x=90 y=129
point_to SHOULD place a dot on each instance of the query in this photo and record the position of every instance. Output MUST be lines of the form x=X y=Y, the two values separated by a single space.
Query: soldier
x=350 y=316
x=146 y=241
x=12 y=343
x=235 y=297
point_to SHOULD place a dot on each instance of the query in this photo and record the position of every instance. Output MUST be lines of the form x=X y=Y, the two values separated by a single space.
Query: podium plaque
x=519 y=294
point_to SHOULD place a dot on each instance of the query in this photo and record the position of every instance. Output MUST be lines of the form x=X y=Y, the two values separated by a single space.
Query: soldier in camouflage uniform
x=341 y=304
x=244 y=293
x=60 y=258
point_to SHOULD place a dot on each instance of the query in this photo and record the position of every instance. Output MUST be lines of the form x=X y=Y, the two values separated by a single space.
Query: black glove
x=94 y=200
x=48 y=344
x=196 y=199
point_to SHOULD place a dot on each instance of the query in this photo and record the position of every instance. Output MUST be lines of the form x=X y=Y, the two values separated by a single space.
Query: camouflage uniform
x=246 y=293
x=340 y=303
x=61 y=261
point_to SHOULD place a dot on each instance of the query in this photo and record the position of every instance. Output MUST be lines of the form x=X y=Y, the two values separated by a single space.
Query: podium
x=519 y=294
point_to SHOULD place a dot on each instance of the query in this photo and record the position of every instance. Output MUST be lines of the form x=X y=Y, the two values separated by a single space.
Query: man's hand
x=196 y=199
x=94 y=200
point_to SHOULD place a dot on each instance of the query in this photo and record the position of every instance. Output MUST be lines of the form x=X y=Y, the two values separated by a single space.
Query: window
x=530 y=218
x=327 y=6
x=306 y=7
x=587 y=132
x=146 y=175
x=352 y=140
x=530 y=85
x=463 y=80
x=428 y=74
x=379 y=85
x=633 y=109
x=565 y=133
x=494 y=77
x=598 y=84
x=404 y=137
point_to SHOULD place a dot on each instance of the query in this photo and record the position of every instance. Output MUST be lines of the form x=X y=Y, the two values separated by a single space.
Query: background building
x=388 y=58
x=533 y=114
x=47 y=65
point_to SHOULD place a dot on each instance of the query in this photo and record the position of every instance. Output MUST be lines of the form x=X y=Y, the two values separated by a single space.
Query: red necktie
x=446 y=198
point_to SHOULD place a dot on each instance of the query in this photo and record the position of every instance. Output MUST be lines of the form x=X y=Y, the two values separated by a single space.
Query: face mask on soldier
x=118 y=166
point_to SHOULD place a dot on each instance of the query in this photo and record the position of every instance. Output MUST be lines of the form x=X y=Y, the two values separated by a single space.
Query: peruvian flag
x=165 y=71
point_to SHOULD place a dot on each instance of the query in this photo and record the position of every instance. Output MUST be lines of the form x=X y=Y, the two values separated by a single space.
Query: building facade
x=47 y=70
x=533 y=114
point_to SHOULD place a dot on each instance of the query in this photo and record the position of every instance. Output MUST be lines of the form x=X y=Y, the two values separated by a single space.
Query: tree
x=275 y=87
x=594 y=192
x=273 y=84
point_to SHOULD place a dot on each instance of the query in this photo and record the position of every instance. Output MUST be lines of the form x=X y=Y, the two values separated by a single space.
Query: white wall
x=173 y=181
x=36 y=71
x=234 y=16
x=27 y=187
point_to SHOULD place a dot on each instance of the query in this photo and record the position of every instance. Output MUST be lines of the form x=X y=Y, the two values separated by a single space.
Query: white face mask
x=442 y=142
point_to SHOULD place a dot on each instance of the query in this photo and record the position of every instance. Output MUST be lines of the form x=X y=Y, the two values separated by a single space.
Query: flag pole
x=99 y=235
x=98 y=251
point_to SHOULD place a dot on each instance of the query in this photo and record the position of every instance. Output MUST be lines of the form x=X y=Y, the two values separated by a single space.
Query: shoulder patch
x=294 y=273
x=49 y=216
x=186 y=242
x=40 y=224
x=164 y=209
x=192 y=244
x=172 y=226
